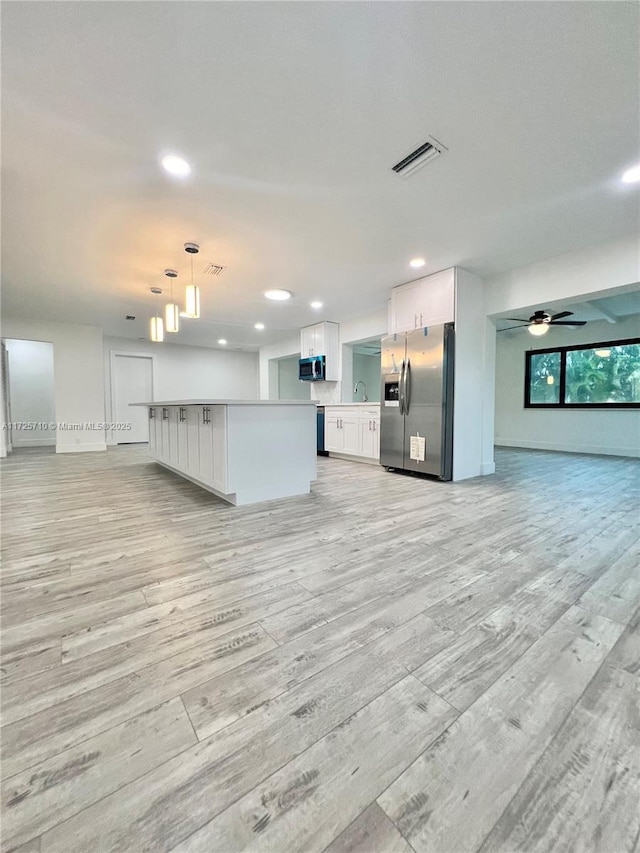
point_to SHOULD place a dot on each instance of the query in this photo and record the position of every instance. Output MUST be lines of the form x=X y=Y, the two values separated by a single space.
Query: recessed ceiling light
x=417 y=262
x=316 y=304
x=259 y=326
x=278 y=295
x=222 y=341
x=175 y=165
x=632 y=176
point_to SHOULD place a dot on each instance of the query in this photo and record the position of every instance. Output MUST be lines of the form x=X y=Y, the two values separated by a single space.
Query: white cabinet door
x=164 y=430
x=350 y=428
x=193 y=448
x=152 y=431
x=375 y=425
x=436 y=299
x=333 y=436
x=429 y=301
x=307 y=341
x=183 y=439
x=404 y=312
x=205 y=445
x=173 y=436
x=366 y=437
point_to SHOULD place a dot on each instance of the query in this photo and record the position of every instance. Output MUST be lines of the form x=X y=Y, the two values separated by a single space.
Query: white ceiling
x=292 y=115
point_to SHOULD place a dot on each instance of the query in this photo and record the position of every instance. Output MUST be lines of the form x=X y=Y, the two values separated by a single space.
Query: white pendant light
x=156 y=326
x=171 y=310
x=192 y=292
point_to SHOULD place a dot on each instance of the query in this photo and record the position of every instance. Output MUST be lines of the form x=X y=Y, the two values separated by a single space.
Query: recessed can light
x=259 y=326
x=417 y=262
x=278 y=295
x=175 y=165
x=222 y=341
x=631 y=176
x=316 y=304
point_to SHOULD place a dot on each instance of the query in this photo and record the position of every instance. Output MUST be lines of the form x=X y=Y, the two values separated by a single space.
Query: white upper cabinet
x=322 y=339
x=429 y=301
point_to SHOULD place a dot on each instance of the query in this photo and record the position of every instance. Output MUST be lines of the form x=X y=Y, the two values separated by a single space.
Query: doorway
x=30 y=393
x=131 y=382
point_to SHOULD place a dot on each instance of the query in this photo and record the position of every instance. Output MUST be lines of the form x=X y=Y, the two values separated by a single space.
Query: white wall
x=367 y=368
x=613 y=431
x=78 y=378
x=596 y=271
x=183 y=372
x=31 y=391
x=289 y=385
x=289 y=346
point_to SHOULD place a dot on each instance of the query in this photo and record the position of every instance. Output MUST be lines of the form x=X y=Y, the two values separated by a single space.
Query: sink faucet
x=364 y=395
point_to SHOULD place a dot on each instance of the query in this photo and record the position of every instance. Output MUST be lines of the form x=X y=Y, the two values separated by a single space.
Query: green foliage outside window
x=606 y=374
x=603 y=375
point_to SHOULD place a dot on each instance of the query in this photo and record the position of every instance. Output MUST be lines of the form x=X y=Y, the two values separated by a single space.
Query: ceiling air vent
x=417 y=158
x=213 y=269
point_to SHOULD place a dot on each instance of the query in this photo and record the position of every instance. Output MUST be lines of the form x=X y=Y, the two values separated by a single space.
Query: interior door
x=392 y=359
x=424 y=392
x=131 y=382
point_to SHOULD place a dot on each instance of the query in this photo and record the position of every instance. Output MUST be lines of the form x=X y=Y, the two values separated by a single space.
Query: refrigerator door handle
x=401 y=393
x=407 y=386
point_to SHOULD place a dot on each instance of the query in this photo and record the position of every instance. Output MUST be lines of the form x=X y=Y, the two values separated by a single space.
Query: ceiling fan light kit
x=539 y=322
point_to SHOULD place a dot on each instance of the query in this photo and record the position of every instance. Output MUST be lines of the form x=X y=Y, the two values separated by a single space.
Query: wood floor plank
x=315 y=797
x=43 y=796
x=596 y=752
x=44 y=690
x=215 y=704
x=32 y=740
x=626 y=652
x=470 y=663
x=452 y=796
x=371 y=832
x=617 y=591
x=172 y=802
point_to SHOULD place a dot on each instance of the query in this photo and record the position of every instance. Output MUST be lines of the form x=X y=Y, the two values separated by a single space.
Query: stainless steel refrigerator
x=416 y=411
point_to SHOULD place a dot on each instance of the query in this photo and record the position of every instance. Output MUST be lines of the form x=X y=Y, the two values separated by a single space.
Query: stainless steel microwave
x=311 y=369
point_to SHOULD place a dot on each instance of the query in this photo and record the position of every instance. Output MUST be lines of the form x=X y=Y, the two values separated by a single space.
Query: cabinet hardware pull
x=165 y=414
x=182 y=414
x=152 y=414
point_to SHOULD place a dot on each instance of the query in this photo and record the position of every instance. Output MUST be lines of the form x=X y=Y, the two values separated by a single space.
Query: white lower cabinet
x=370 y=437
x=355 y=432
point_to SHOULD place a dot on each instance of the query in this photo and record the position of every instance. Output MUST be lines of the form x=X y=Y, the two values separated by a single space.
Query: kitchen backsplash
x=326 y=392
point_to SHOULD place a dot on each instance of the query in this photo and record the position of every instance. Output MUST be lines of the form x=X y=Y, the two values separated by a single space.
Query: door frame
x=113 y=354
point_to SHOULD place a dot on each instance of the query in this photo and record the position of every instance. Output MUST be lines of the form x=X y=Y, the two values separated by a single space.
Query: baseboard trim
x=348 y=457
x=562 y=447
x=94 y=447
x=35 y=442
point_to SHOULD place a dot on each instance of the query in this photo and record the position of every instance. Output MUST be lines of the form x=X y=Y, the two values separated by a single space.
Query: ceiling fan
x=539 y=322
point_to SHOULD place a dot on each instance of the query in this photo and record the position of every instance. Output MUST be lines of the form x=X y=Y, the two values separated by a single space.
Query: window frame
x=563 y=350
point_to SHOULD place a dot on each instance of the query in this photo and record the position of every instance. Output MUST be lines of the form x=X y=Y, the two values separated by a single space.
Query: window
x=603 y=375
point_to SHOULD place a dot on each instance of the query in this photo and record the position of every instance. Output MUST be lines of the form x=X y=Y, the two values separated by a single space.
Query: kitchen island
x=244 y=451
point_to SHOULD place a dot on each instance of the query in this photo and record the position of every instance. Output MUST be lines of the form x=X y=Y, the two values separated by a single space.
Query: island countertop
x=202 y=401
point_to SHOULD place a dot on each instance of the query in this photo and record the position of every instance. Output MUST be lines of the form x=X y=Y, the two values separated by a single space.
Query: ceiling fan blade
x=568 y=323
x=517 y=319
x=514 y=327
x=561 y=314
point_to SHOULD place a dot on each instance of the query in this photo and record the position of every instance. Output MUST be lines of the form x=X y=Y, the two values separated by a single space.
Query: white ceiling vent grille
x=418 y=157
x=213 y=269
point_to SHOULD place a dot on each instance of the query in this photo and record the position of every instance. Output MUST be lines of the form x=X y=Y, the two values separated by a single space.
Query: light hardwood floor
x=389 y=664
